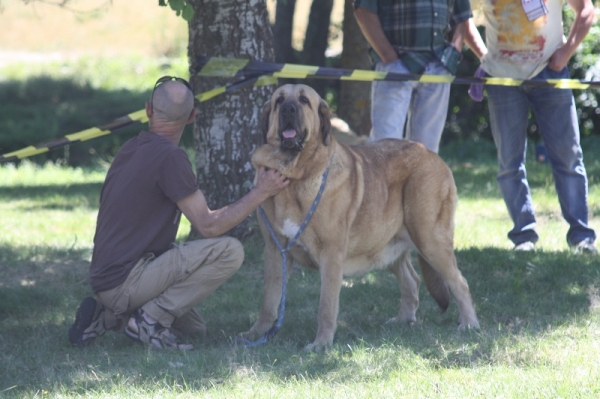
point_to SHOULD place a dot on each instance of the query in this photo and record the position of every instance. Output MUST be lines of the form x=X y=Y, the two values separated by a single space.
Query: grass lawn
x=539 y=312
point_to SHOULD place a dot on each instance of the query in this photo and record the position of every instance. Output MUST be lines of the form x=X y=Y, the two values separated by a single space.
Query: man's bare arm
x=473 y=39
x=459 y=35
x=371 y=27
x=584 y=17
x=211 y=223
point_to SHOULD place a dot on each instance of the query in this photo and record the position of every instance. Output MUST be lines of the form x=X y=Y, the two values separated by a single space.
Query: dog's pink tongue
x=289 y=134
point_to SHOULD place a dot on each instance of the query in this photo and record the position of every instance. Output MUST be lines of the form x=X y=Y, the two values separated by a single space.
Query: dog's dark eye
x=304 y=100
x=279 y=101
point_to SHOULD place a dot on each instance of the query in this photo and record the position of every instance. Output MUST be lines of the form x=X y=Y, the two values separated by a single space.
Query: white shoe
x=526 y=246
x=585 y=247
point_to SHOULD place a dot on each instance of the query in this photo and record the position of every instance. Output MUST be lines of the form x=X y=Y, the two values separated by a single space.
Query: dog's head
x=294 y=116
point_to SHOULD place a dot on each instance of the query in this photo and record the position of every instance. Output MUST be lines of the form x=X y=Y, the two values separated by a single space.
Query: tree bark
x=316 y=40
x=354 y=104
x=282 y=31
x=226 y=129
x=317 y=32
x=282 y=35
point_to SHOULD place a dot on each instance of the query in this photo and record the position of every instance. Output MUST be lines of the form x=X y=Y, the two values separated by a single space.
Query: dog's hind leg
x=443 y=261
x=437 y=260
x=435 y=284
x=409 y=283
x=430 y=225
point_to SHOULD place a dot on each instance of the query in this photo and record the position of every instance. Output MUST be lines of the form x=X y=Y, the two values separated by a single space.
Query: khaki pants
x=168 y=288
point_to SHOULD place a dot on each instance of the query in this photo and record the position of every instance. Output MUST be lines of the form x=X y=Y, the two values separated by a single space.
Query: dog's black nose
x=288 y=109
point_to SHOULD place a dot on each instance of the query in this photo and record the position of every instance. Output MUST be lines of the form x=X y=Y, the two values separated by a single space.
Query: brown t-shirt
x=138 y=211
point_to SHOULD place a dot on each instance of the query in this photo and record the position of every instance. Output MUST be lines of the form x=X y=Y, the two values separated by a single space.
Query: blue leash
x=273 y=330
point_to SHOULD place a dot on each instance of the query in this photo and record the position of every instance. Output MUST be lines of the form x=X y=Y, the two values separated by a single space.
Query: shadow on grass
x=520 y=297
x=14 y=257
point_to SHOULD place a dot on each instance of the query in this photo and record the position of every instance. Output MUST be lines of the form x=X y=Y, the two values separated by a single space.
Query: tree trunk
x=354 y=104
x=226 y=129
x=282 y=31
x=316 y=40
x=282 y=35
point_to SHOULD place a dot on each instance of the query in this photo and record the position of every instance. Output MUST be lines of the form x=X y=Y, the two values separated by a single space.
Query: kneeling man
x=144 y=284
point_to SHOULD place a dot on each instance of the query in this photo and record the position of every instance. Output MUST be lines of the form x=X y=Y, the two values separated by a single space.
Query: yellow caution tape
x=258 y=73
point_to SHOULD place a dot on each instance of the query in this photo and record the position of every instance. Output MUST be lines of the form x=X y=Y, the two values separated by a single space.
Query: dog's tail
x=435 y=284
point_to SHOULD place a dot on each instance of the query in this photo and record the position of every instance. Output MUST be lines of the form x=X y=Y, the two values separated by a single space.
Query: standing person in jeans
x=525 y=41
x=408 y=37
x=144 y=284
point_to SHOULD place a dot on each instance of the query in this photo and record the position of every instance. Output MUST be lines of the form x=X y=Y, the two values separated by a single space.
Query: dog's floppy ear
x=325 y=117
x=264 y=120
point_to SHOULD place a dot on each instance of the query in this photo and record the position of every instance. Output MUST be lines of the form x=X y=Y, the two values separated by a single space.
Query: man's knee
x=226 y=252
x=235 y=252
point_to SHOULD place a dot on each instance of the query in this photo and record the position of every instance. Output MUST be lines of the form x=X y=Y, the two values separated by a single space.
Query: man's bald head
x=172 y=102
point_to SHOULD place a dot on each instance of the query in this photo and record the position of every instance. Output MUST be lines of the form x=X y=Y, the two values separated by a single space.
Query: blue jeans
x=555 y=113
x=425 y=105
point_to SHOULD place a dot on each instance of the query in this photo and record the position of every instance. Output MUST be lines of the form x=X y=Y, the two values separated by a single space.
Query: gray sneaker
x=585 y=247
x=154 y=335
x=526 y=246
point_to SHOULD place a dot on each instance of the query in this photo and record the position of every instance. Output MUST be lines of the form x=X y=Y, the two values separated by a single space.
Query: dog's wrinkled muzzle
x=288 y=119
x=290 y=140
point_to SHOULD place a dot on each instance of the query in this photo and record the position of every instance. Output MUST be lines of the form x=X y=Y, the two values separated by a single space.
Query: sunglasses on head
x=167 y=79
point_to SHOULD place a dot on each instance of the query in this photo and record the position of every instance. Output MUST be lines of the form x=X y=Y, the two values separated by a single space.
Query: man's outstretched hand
x=270 y=181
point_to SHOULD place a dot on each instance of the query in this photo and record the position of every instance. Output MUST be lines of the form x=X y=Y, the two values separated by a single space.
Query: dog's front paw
x=468 y=324
x=318 y=346
x=410 y=320
x=250 y=335
x=258 y=329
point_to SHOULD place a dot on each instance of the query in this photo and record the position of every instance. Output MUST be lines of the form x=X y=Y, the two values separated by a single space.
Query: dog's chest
x=289 y=228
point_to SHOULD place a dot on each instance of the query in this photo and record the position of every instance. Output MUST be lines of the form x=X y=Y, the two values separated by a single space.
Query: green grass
x=539 y=312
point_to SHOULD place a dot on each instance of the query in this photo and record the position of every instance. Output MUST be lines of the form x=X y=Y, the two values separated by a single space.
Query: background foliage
x=540 y=312
x=41 y=102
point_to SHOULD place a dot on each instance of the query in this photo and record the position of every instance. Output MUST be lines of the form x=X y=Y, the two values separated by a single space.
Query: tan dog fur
x=380 y=201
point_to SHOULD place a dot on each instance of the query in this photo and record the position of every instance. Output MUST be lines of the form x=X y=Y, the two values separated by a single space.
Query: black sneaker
x=88 y=324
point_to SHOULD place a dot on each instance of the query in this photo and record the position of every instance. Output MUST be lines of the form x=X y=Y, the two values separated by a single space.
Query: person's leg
x=389 y=103
x=509 y=112
x=167 y=287
x=178 y=280
x=557 y=118
x=428 y=109
x=190 y=323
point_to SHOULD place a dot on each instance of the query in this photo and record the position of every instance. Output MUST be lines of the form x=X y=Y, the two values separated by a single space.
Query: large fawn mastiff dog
x=380 y=201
